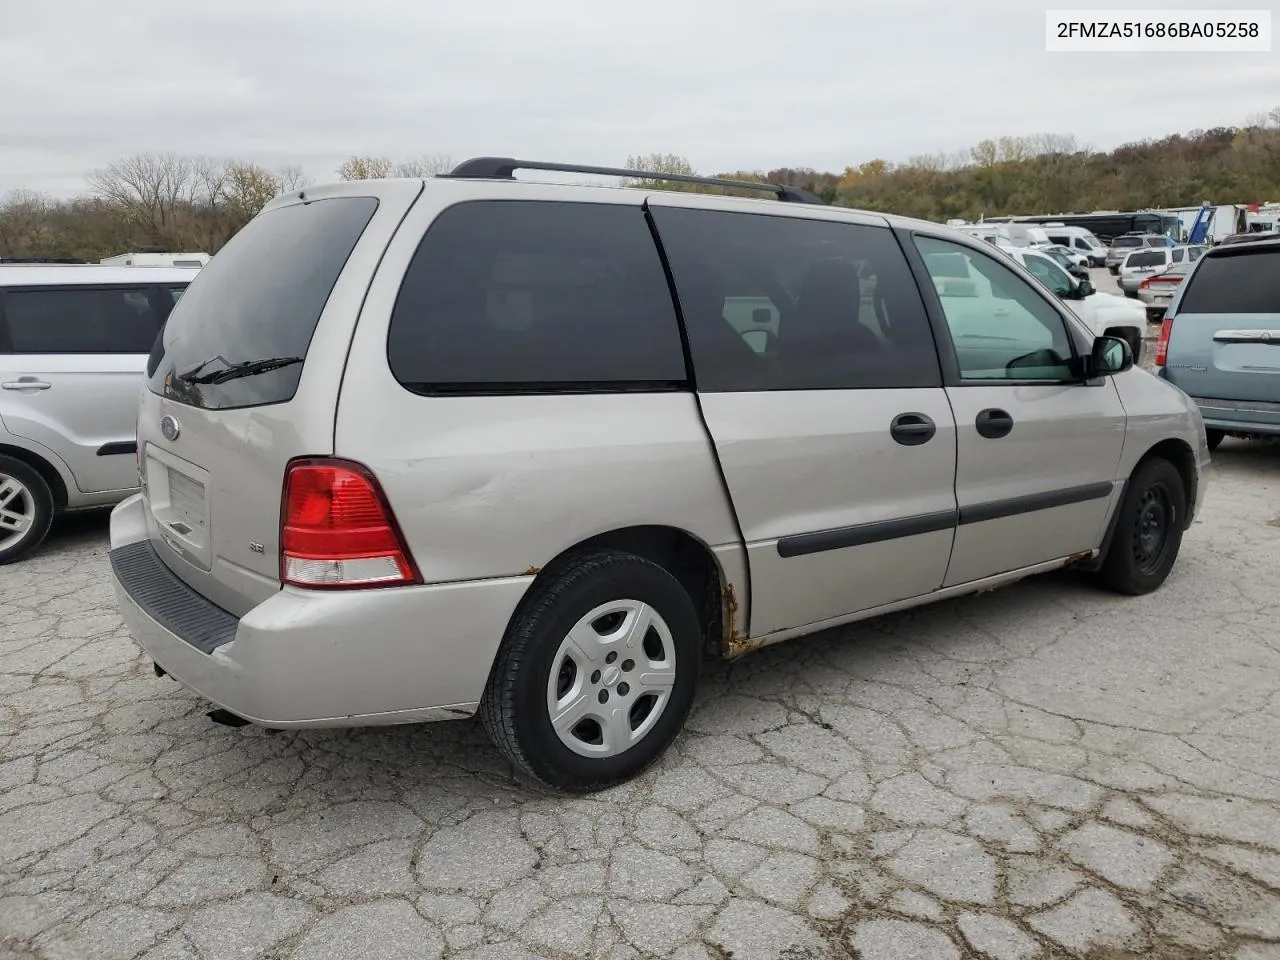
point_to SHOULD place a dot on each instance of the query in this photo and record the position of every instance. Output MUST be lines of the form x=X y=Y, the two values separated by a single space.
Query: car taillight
x=337 y=530
x=1162 y=345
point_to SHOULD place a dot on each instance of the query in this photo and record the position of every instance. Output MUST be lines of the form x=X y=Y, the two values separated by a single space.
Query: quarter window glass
x=77 y=320
x=536 y=297
x=782 y=303
x=1001 y=327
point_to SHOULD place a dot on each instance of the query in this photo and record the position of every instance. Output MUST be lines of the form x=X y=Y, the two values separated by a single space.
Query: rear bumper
x=312 y=658
x=1240 y=416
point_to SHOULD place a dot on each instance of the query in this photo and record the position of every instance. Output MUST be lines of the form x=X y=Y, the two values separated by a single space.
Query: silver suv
x=73 y=344
x=414 y=450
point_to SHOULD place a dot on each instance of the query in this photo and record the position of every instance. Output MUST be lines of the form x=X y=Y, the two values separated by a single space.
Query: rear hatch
x=1224 y=327
x=245 y=377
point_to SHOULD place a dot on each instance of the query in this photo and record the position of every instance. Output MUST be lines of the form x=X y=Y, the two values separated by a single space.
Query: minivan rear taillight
x=337 y=530
x=1162 y=345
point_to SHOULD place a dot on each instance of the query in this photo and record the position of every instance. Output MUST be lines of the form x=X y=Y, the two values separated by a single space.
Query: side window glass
x=537 y=297
x=782 y=303
x=78 y=320
x=1001 y=327
x=1177 y=255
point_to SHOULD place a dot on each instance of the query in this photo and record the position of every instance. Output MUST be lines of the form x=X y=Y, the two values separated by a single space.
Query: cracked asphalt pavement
x=1041 y=771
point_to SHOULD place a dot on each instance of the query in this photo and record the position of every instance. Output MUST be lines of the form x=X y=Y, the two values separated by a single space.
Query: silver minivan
x=1220 y=339
x=414 y=450
x=73 y=343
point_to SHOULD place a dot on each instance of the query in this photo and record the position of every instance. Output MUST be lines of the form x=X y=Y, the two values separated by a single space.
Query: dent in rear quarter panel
x=489 y=487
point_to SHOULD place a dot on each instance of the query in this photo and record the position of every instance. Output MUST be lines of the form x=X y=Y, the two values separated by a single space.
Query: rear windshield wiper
x=248 y=368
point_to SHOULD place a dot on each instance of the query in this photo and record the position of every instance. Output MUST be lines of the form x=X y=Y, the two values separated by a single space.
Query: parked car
x=1141 y=264
x=1220 y=339
x=1157 y=290
x=1077 y=264
x=73 y=344
x=413 y=450
x=1105 y=314
x=1123 y=245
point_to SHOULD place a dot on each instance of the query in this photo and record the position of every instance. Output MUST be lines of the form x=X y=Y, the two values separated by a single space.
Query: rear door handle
x=25 y=383
x=912 y=429
x=993 y=423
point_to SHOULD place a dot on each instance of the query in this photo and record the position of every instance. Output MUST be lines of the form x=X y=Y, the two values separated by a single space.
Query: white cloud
x=731 y=84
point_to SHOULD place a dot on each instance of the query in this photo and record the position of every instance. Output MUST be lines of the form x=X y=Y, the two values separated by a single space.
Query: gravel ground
x=1042 y=771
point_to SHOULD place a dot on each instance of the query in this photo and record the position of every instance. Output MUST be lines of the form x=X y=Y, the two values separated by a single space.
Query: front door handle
x=912 y=429
x=993 y=423
x=25 y=383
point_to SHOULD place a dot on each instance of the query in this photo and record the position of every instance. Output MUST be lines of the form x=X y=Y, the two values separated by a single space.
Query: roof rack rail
x=504 y=168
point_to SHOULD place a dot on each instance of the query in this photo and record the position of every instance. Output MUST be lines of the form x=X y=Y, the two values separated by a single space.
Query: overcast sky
x=729 y=84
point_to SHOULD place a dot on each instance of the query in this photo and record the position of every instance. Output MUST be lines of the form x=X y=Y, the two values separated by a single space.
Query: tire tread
x=497 y=706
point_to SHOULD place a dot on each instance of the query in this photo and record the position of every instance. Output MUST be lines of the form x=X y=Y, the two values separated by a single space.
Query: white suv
x=414 y=450
x=1105 y=314
x=73 y=344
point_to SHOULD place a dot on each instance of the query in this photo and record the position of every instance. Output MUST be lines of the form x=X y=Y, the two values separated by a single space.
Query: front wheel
x=597 y=672
x=26 y=509
x=1148 y=531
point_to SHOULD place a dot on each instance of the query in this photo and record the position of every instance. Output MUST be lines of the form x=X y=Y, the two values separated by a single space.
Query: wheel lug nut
x=623 y=689
x=595 y=676
x=612 y=656
x=604 y=696
x=628 y=666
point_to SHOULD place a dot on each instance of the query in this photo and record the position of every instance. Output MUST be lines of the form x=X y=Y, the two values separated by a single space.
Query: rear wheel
x=1214 y=437
x=26 y=509
x=597 y=672
x=1148 y=532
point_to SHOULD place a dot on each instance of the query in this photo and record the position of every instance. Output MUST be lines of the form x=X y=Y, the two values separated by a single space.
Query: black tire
x=1115 y=271
x=1214 y=437
x=1148 y=530
x=514 y=707
x=38 y=505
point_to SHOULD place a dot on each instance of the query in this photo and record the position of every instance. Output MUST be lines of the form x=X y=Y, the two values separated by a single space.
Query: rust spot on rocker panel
x=733 y=640
x=532 y=571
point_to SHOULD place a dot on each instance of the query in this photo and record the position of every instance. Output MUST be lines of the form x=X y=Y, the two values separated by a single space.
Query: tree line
x=180 y=203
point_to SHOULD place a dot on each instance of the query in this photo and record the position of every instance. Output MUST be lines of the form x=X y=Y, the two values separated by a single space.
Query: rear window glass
x=77 y=320
x=238 y=335
x=1145 y=259
x=1127 y=242
x=1241 y=283
x=536 y=297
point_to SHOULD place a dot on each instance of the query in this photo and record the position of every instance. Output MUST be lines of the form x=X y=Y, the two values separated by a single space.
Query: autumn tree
x=364 y=168
x=668 y=163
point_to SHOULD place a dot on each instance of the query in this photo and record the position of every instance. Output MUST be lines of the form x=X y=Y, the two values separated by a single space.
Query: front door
x=1038 y=451
x=833 y=430
x=71 y=368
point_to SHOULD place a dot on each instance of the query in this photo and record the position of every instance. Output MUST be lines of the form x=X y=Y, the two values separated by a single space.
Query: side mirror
x=1085 y=288
x=1111 y=355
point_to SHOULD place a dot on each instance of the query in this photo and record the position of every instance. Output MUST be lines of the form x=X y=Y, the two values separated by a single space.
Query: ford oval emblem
x=170 y=427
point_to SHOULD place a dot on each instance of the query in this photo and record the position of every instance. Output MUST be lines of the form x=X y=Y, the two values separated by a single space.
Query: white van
x=1078 y=240
x=1028 y=235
